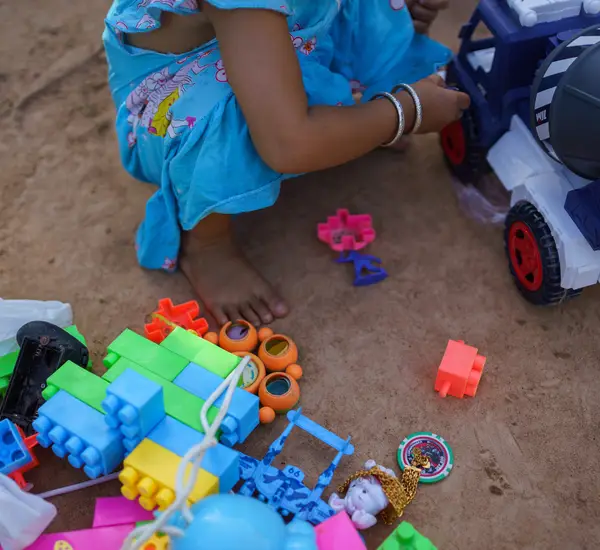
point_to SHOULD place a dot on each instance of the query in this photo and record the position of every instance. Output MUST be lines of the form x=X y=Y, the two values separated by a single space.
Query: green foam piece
x=179 y=404
x=7 y=364
x=202 y=352
x=79 y=383
x=3 y=385
x=406 y=537
x=147 y=354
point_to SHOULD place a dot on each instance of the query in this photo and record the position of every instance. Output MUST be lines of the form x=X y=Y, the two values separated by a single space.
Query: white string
x=78 y=486
x=185 y=483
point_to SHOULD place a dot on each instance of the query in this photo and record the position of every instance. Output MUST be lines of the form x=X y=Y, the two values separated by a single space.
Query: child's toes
x=250 y=314
x=276 y=305
x=219 y=315
x=262 y=310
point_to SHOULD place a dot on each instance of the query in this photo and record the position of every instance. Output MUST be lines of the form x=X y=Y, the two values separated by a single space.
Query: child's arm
x=291 y=137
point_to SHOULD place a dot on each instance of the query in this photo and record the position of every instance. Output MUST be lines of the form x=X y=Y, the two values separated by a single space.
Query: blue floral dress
x=178 y=122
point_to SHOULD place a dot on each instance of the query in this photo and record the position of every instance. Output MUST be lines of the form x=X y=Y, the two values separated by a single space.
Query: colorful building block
x=406 y=537
x=201 y=351
x=145 y=353
x=79 y=383
x=219 y=460
x=105 y=538
x=168 y=316
x=460 y=371
x=338 y=532
x=150 y=472
x=74 y=429
x=13 y=451
x=18 y=475
x=134 y=405
x=242 y=414
x=112 y=511
x=178 y=403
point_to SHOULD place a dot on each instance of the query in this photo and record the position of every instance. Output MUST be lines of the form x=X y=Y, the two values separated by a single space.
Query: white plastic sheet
x=23 y=517
x=15 y=313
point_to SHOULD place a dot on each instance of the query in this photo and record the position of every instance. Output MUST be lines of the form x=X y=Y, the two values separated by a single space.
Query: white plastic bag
x=486 y=203
x=15 y=313
x=23 y=517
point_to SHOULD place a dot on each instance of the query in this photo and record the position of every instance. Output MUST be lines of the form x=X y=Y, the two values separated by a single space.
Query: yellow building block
x=150 y=472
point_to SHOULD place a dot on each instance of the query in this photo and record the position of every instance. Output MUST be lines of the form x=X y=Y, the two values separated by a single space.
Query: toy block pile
x=144 y=412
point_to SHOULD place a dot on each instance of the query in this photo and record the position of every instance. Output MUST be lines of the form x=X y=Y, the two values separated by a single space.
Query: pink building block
x=337 y=533
x=345 y=232
x=112 y=511
x=106 y=538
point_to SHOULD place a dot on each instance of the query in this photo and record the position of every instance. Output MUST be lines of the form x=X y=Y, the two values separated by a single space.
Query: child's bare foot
x=229 y=286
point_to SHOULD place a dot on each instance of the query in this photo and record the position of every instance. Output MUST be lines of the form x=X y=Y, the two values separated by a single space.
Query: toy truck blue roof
x=504 y=23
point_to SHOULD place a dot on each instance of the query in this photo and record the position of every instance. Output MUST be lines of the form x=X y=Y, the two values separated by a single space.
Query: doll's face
x=365 y=494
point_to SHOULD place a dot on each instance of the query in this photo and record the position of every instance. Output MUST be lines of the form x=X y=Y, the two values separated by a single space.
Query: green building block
x=78 y=382
x=147 y=354
x=406 y=537
x=7 y=364
x=202 y=352
x=179 y=404
x=3 y=385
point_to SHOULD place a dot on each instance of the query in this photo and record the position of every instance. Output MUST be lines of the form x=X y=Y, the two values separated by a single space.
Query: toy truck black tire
x=463 y=154
x=533 y=257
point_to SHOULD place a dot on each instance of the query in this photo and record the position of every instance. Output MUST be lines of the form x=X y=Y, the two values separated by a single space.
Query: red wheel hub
x=454 y=143
x=525 y=256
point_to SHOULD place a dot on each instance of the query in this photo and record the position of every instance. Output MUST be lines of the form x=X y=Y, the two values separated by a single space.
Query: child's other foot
x=229 y=286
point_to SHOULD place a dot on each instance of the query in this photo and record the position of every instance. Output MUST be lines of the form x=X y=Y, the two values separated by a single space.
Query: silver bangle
x=418 y=105
x=401 y=117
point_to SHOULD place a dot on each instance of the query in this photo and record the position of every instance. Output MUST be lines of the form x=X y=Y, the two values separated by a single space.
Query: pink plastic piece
x=345 y=232
x=338 y=532
x=106 y=538
x=112 y=511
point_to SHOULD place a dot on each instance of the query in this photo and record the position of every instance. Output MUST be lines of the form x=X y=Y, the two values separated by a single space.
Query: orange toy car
x=278 y=392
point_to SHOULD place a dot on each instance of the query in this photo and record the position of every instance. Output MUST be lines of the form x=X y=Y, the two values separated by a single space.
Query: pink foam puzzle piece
x=105 y=538
x=347 y=232
x=339 y=532
x=111 y=511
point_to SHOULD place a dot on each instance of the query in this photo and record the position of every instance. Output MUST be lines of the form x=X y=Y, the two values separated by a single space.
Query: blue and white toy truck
x=534 y=79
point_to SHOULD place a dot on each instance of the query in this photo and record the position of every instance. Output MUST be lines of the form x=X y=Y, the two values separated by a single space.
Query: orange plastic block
x=169 y=316
x=460 y=371
x=17 y=475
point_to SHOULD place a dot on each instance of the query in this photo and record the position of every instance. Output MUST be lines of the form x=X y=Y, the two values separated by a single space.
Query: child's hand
x=441 y=105
x=424 y=12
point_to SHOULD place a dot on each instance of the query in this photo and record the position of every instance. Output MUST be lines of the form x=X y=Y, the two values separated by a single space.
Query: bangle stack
x=417 y=101
x=400 y=111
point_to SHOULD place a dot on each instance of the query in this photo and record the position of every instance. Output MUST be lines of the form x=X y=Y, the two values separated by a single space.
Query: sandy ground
x=525 y=448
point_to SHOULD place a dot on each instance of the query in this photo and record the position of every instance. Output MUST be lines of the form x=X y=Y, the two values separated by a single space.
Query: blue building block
x=13 y=452
x=583 y=205
x=74 y=429
x=243 y=410
x=134 y=405
x=219 y=460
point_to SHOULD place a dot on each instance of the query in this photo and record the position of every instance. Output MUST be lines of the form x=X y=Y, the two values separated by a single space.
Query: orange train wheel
x=238 y=336
x=277 y=352
x=279 y=391
x=253 y=374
